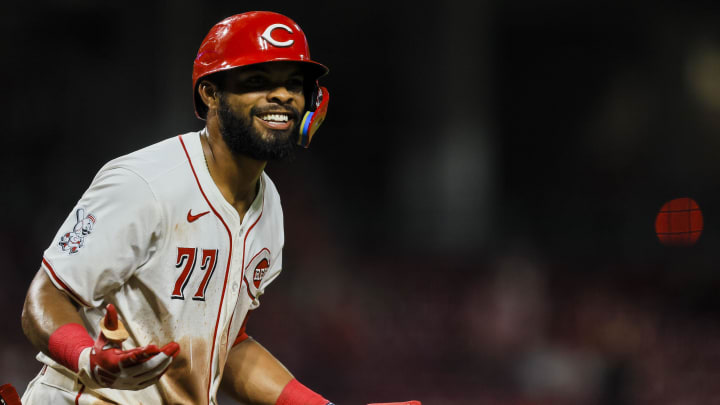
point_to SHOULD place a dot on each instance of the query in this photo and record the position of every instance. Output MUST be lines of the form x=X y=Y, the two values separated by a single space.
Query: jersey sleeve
x=111 y=232
x=272 y=273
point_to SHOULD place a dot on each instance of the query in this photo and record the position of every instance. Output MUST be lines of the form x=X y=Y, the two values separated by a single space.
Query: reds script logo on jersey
x=255 y=271
x=72 y=241
x=260 y=271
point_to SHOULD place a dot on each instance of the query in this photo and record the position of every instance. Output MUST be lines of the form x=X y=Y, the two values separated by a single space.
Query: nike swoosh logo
x=193 y=218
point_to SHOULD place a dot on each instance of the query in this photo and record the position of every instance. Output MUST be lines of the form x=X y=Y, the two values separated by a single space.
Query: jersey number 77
x=186 y=259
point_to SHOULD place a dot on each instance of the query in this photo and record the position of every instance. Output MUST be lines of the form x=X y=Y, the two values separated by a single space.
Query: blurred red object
x=8 y=395
x=679 y=222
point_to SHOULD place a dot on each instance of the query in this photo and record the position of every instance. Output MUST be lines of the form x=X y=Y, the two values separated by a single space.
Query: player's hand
x=111 y=367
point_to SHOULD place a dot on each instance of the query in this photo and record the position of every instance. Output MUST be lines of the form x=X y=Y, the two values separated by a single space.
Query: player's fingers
x=111 y=317
x=157 y=372
x=150 y=350
x=152 y=381
x=138 y=355
x=152 y=376
x=106 y=381
x=102 y=343
x=104 y=377
x=156 y=366
x=171 y=349
x=153 y=367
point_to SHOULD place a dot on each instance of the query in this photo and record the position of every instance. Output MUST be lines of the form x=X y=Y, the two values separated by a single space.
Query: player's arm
x=52 y=324
x=46 y=309
x=253 y=375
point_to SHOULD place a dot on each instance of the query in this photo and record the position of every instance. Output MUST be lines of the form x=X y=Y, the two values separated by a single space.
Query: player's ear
x=209 y=94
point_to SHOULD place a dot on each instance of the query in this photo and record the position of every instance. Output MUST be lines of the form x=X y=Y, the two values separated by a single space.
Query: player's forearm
x=46 y=309
x=253 y=375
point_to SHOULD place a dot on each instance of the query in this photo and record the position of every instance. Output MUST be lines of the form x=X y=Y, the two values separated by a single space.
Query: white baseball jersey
x=154 y=236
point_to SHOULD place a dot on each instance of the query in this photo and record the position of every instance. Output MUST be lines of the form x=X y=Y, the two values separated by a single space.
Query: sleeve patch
x=72 y=241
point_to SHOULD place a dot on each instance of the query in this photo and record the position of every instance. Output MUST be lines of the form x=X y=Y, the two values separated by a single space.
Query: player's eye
x=256 y=81
x=295 y=84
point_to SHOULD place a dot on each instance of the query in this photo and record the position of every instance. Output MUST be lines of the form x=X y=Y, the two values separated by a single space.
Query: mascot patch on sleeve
x=72 y=241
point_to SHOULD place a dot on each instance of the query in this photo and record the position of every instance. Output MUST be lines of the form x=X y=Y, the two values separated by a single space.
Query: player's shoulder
x=269 y=185
x=270 y=192
x=271 y=201
x=156 y=160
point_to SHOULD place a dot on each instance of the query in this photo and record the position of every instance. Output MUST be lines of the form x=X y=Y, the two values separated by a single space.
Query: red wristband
x=66 y=344
x=295 y=393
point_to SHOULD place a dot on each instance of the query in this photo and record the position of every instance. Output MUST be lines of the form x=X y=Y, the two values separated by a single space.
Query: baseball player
x=144 y=293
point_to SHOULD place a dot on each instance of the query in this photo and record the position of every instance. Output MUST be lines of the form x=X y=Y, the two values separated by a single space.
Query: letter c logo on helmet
x=267 y=35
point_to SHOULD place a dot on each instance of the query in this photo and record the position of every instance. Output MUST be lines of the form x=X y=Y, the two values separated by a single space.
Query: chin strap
x=313 y=119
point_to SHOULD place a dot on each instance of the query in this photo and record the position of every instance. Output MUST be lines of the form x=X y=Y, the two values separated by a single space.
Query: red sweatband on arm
x=66 y=344
x=295 y=393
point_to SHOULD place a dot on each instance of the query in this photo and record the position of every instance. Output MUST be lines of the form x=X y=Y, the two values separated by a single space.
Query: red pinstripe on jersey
x=227 y=268
x=77 y=398
x=250 y=229
x=262 y=209
x=63 y=285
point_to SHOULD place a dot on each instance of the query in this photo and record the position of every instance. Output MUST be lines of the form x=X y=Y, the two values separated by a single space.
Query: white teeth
x=274 y=117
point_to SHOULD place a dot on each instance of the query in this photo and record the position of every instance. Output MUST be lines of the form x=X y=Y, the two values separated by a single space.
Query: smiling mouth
x=275 y=120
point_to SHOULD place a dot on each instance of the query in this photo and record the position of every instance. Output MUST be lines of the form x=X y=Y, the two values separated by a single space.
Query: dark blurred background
x=474 y=223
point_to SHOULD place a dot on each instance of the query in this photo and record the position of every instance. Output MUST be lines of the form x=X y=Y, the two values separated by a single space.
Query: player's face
x=259 y=110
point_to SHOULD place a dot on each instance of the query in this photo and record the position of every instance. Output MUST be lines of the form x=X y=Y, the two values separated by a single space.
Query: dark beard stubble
x=242 y=138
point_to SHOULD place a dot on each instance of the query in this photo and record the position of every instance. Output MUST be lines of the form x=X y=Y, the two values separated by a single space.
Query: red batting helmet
x=250 y=38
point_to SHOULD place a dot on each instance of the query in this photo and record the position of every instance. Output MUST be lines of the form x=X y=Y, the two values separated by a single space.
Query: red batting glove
x=133 y=369
x=104 y=361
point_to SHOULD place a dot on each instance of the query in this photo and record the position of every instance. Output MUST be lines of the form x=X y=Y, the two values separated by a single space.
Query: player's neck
x=237 y=176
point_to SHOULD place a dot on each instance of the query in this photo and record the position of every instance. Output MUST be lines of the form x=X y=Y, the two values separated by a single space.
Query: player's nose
x=281 y=95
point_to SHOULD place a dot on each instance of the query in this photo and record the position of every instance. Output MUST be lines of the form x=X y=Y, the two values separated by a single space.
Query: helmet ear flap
x=314 y=117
